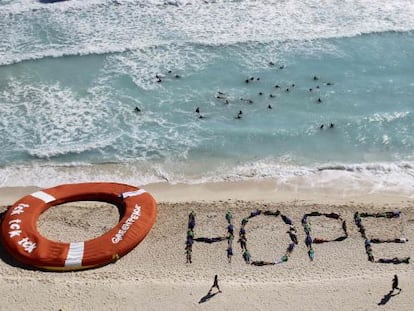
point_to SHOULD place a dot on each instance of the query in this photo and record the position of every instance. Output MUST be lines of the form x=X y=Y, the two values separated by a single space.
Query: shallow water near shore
x=67 y=99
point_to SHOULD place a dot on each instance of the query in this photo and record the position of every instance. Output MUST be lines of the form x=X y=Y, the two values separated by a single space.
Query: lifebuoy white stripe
x=43 y=196
x=132 y=193
x=75 y=254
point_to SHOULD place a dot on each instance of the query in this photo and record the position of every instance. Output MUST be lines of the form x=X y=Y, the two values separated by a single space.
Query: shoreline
x=262 y=191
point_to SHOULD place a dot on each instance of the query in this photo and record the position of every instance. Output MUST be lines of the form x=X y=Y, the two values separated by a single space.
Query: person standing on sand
x=395 y=283
x=215 y=284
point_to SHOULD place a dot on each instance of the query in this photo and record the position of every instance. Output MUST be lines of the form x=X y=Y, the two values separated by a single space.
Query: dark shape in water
x=51 y=1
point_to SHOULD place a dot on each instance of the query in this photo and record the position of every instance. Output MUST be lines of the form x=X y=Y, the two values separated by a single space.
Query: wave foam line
x=374 y=177
x=90 y=30
x=115 y=48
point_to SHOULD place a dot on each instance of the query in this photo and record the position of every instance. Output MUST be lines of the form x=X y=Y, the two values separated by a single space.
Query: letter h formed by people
x=191 y=236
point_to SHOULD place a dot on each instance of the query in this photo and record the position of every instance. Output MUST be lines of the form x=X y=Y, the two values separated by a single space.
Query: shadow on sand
x=388 y=296
x=207 y=297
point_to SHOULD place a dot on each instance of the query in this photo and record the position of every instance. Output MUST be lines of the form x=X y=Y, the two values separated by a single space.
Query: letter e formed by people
x=391 y=216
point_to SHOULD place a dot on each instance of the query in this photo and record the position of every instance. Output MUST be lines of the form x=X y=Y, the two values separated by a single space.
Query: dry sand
x=154 y=276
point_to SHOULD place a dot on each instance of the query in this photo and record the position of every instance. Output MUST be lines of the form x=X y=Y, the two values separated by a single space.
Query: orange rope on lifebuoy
x=21 y=238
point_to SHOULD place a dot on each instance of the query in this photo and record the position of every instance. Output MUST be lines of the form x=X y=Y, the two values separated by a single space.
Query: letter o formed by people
x=22 y=240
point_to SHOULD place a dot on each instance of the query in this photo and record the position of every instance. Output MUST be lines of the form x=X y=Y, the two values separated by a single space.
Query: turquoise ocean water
x=72 y=73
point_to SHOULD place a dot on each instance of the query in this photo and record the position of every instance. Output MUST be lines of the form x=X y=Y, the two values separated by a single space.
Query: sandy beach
x=155 y=275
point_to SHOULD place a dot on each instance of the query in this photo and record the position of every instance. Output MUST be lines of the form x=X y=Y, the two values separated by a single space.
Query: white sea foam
x=142 y=65
x=372 y=177
x=30 y=30
x=48 y=120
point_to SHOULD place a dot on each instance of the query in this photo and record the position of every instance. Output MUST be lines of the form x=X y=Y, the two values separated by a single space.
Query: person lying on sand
x=283 y=259
x=246 y=256
x=210 y=240
x=262 y=263
x=394 y=260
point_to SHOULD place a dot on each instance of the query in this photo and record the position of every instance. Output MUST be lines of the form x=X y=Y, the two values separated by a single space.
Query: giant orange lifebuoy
x=21 y=238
